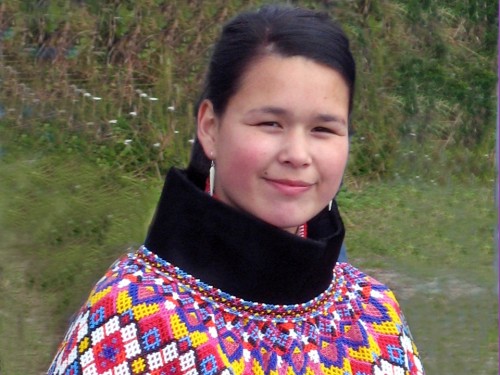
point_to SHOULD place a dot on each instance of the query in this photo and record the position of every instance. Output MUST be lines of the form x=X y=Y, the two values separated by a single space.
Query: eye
x=322 y=129
x=273 y=124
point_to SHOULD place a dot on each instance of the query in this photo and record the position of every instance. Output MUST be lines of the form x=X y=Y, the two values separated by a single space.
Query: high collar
x=238 y=253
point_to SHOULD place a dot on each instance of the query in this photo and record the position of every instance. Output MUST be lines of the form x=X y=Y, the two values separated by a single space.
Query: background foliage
x=116 y=80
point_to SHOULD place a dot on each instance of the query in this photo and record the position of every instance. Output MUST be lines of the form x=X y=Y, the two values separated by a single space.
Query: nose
x=295 y=150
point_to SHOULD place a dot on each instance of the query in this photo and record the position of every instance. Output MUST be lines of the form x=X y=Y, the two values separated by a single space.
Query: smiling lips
x=290 y=187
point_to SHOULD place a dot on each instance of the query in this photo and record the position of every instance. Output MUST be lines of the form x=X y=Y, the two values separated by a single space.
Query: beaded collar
x=320 y=305
x=238 y=253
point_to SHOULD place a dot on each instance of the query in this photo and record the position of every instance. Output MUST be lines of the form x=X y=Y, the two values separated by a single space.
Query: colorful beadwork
x=145 y=316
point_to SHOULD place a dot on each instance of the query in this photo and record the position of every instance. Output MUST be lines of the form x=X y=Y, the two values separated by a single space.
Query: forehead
x=291 y=81
x=270 y=54
x=271 y=65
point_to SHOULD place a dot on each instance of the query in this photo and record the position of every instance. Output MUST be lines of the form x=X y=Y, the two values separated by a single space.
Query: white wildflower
x=127 y=142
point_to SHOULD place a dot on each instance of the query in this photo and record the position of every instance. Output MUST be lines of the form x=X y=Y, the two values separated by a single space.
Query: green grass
x=63 y=223
x=65 y=220
x=434 y=246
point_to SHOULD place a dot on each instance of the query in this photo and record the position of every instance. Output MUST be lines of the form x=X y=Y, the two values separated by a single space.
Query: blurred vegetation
x=116 y=81
x=63 y=221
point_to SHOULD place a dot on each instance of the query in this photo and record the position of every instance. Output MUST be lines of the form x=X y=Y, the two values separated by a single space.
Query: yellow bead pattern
x=198 y=338
x=238 y=366
x=256 y=368
x=388 y=328
x=123 y=302
x=96 y=297
x=366 y=353
x=335 y=370
x=143 y=309
x=138 y=365
x=84 y=344
x=179 y=329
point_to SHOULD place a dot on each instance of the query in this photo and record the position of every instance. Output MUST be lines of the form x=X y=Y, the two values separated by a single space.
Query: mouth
x=290 y=187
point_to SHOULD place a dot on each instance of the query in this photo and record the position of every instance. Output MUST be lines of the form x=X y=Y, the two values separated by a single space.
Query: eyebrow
x=322 y=117
x=331 y=118
x=269 y=109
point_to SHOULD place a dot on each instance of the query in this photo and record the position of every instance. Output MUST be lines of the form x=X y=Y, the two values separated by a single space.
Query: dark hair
x=272 y=29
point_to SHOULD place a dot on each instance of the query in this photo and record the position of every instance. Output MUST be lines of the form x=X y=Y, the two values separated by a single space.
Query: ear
x=207 y=128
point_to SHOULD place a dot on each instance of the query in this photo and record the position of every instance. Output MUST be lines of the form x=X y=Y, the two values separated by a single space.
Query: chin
x=282 y=217
x=287 y=223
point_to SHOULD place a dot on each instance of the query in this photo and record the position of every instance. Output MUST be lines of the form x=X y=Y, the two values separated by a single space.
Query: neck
x=241 y=254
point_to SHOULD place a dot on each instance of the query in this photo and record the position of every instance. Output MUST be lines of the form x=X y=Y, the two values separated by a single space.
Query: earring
x=330 y=205
x=212 y=178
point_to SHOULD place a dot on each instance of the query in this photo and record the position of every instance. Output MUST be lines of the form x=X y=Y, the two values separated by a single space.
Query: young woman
x=239 y=271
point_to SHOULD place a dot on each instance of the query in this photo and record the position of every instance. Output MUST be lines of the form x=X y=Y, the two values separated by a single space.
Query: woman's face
x=281 y=146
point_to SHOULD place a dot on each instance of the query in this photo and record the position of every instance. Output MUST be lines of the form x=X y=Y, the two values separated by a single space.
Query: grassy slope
x=64 y=222
x=426 y=75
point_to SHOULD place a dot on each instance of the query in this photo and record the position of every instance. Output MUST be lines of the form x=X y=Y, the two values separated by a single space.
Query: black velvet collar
x=238 y=253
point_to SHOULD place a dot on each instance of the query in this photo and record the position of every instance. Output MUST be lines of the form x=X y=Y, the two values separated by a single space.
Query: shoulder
x=125 y=291
x=141 y=316
x=381 y=318
x=375 y=298
x=354 y=279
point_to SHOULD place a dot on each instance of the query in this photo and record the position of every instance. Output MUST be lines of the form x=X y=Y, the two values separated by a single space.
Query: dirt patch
x=406 y=287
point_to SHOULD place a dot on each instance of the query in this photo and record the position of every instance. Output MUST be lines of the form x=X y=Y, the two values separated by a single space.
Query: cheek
x=244 y=169
x=244 y=153
x=334 y=164
x=236 y=166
